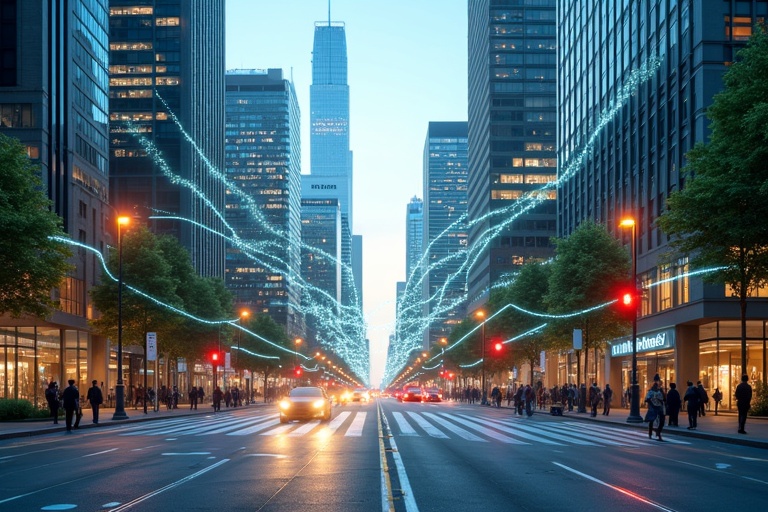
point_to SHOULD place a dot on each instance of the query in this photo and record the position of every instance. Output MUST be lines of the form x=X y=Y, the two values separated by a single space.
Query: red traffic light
x=297 y=371
x=215 y=357
x=499 y=346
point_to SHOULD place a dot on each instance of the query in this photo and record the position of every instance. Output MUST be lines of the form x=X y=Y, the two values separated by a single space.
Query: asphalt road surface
x=376 y=456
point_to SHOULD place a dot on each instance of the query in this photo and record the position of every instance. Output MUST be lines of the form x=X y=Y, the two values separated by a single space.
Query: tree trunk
x=743 y=308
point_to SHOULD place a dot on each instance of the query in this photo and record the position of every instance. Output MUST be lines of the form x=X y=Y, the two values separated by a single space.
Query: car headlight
x=318 y=404
x=285 y=405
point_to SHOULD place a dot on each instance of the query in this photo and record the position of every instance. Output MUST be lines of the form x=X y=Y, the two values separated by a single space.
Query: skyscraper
x=636 y=162
x=414 y=237
x=512 y=130
x=445 y=233
x=54 y=99
x=263 y=152
x=167 y=59
x=330 y=155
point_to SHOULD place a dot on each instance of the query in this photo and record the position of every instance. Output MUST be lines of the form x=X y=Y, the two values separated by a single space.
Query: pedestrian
x=703 y=398
x=594 y=398
x=530 y=399
x=607 y=397
x=52 y=397
x=520 y=400
x=717 y=396
x=571 y=396
x=175 y=396
x=673 y=405
x=217 y=396
x=692 y=398
x=743 y=400
x=655 y=416
x=227 y=397
x=70 y=398
x=192 y=398
x=200 y=395
x=95 y=398
x=510 y=393
x=496 y=396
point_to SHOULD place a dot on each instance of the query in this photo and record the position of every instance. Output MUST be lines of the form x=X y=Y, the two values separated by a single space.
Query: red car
x=412 y=394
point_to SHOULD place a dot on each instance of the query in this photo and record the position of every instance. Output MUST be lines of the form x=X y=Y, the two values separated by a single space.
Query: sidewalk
x=721 y=428
x=26 y=428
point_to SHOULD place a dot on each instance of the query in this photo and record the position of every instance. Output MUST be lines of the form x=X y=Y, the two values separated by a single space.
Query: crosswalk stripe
x=279 y=430
x=405 y=428
x=225 y=427
x=608 y=435
x=305 y=429
x=564 y=435
x=486 y=431
x=336 y=422
x=453 y=428
x=256 y=428
x=427 y=426
x=637 y=437
x=356 y=428
x=515 y=432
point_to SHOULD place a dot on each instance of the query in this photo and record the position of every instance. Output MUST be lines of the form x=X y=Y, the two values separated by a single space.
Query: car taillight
x=405 y=395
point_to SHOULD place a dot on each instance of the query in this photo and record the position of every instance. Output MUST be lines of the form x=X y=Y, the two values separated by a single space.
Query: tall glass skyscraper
x=512 y=131
x=167 y=58
x=54 y=99
x=414 y=237
x=636 y=162
x=445 y=180
x=263 y=150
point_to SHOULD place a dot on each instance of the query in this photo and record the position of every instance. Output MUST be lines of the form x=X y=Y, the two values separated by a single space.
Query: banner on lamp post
x=151 y=346
x=577 y=343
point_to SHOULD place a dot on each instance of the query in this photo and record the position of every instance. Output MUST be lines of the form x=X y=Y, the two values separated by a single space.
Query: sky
x=407 y=63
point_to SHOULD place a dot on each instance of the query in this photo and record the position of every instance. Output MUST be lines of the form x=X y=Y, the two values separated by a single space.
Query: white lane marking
x=722 y=465
x=616 y=488
x=110 y=504
x=402 y=476
x=275 y=455
x=405 y=428
x=279 y=430
x=256 y=428
x=185 y=453
x=100 y=453
x=146 y=448
x=61 y=506
x=356 y=428
x=509 y=430
x=453 y=428
x=335 y=423
x=612 y=436
x=177 y=483
x=305 y=429
x=485 y=431
x=427 y=426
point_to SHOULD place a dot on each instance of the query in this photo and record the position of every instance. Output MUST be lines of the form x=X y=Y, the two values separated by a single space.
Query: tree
x=33 y=263
x=527 y=292
x=589 y=268
x=718 y=218
x=266 y=327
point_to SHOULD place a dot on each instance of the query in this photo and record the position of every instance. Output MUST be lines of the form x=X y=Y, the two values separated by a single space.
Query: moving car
x=305 y=403
x=360 y=395
x=433 y=395
x=412 y=394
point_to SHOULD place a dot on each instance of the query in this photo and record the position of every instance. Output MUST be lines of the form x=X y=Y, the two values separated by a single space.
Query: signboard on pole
x=151 y=346
x=577 y=339
x=228 y=361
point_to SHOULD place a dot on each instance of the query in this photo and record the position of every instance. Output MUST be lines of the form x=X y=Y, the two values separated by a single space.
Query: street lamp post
x=120 y=387
x=297 y=342
x=634 y=399
x=243 y=314
x=481 y=315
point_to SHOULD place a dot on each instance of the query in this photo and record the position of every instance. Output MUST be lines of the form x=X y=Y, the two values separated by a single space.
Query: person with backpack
x=703 y=398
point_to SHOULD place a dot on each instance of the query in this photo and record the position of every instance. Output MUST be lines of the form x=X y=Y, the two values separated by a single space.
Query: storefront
x=655 y=355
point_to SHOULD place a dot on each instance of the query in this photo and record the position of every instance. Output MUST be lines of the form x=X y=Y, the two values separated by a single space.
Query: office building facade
x=512 y=131
x=263 y=154
x=166 y=61
x=444 y=265
x=54 y=99
x=688 y=329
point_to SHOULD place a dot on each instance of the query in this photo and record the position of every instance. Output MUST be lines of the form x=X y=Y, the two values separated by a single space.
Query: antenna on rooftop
x=329 y=13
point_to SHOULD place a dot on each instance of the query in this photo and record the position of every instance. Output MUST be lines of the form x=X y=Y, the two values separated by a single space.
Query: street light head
x=627 y=223
x=123 y=220
x=245 y=313
x=480 y=314
x=297 y=341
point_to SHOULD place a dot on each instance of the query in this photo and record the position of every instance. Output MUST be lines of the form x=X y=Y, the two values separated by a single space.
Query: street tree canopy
x=32 y=263
x=718 y=218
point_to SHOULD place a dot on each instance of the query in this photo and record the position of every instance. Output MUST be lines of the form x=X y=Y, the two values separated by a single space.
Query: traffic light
x=297 y=371
x=627 y=302
x=498 y=347
x=215 y=358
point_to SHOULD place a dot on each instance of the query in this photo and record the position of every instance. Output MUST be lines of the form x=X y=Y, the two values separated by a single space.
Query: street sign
x=151 y=346
x=577 y=339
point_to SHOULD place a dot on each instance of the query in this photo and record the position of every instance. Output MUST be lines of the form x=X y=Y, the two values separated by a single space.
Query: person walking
x=692 y=398
x=52 y=397
x=717 y=396
x=673 y=405
x=200 y=396
x=703 y=398
x=192 y=398
x=655 y=399
x=70 y=398
x=743 y=400
x=594 y=398
x=607 y=397
x=95 y=398
x=496 y=396
x=217 y=396
x=530 y=399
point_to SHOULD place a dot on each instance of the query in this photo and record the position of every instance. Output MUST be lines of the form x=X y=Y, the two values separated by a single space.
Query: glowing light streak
x=471 y=365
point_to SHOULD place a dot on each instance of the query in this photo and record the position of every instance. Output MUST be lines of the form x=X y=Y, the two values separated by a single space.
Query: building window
x=16 y=115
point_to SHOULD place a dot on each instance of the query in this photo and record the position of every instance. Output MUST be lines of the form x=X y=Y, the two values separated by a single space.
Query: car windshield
x=413 y=390
x=311 y=392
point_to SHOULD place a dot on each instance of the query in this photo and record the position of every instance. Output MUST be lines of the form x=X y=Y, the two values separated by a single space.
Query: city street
x=373 y=456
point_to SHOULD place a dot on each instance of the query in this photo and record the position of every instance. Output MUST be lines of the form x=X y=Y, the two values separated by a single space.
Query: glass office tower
x=636 y=163
x=263 y=152
x=512 y=131
x=166 y=59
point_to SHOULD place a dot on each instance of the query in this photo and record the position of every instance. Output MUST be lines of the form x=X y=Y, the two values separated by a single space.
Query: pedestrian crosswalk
x=445 y=425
